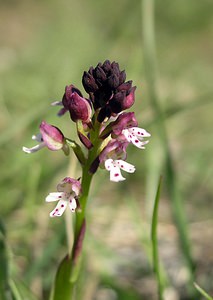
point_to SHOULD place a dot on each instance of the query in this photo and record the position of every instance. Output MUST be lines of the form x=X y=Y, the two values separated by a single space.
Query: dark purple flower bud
x=68 y=94
x=108 y=90
x=79 y=107
x=129 y=99
x=113 y=81
x=100 y=74
x=52 y=136
x=115 y=68
x=122 y=77
x=106 y=66
x=116 y=103
x=125 y=86
x=104 y=113
x=89 y=83
x=91 y=70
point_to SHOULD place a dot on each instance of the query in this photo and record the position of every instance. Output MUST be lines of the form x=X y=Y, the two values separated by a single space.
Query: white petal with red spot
x=72 y=204
x=136 y=135
x=59 y=209
x=55 y=196
x=139 y=132
x=115 y=174
x=125 y=166
x=115 y=166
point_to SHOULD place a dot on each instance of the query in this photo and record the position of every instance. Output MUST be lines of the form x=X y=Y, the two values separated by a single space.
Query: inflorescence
x=102 y=126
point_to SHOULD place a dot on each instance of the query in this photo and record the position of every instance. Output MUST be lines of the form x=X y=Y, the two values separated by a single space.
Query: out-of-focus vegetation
x=45 y=45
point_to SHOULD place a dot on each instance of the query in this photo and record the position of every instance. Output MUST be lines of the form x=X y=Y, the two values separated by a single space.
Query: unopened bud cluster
x=108 y=90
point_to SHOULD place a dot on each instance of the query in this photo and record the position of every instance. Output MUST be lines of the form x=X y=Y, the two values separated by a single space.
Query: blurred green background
x=45 y=45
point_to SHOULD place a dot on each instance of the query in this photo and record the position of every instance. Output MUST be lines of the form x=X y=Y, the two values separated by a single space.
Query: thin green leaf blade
x=155 y=256
x=202 y=292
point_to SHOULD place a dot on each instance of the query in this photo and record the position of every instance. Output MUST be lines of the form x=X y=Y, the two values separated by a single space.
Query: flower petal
x=135 y=135
x=59 y=209
x=135 y=141
x=115 y=174
x=72 y=204
x=109 y=164
x=55 y=197
x=33 y=149
x=125 y=166
x=139 y=132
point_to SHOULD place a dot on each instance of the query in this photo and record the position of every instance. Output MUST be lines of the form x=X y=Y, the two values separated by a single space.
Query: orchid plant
x=105 y=131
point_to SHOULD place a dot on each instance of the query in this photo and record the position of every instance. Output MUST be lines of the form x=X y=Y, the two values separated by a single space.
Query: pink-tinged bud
x=69 y=185
x=126 y=86
x=79 y=108
x=52 y=136
x=129 y=99
x=115 y=150
x=124 y=120
x=89 y=82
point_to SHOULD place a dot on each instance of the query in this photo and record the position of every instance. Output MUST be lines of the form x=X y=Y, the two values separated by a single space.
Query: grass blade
x=154 y=239
x=202 y=292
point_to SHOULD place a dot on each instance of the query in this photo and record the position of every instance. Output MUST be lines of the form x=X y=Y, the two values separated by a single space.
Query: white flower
x=136 y=135
x=115 y=166
x=68 y=190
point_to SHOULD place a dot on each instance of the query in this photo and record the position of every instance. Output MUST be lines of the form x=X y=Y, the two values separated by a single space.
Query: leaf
x=20 y=291
x=203 y=293
x=154 y=237
x=62 y=288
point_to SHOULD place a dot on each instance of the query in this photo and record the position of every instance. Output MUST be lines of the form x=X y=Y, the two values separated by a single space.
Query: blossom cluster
x=101 y=123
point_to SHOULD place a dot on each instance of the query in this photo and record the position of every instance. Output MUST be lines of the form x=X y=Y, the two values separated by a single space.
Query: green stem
x=80 y=222
x=87 y=178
